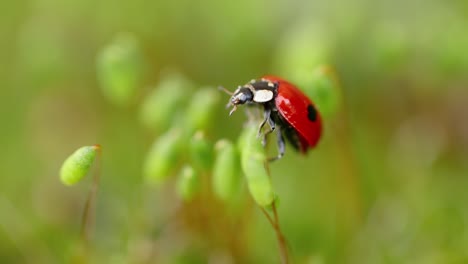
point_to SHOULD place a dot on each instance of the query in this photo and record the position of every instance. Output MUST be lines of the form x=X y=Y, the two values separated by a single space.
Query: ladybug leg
x=281 y=146
x=267 y=118
x=272 y=128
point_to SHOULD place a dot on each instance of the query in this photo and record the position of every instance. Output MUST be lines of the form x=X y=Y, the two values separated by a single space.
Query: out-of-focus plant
x=226 y=171
x=202 y=108
x=165 y=101
x=73 y=170
x=188 y=184
x=201 y=152
x=164 y=156
x=120 y=69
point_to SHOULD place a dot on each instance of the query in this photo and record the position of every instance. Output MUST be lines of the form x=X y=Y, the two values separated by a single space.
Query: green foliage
x=253 y=164
x=201 y=110
x=188 y=183
x=120 y=69
x=226 y=171
x=165 y=101
x=78 y=164
x=201 y=152
x=163 y=156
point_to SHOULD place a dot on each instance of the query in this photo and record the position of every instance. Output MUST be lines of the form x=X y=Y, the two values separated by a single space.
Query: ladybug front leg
x=281 y=146
x=266 y=118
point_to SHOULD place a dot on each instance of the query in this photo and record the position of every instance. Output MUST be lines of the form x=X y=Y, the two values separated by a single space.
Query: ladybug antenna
x=221 y=88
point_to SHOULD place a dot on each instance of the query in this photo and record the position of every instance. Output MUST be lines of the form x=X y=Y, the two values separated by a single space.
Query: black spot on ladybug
x=311 y=113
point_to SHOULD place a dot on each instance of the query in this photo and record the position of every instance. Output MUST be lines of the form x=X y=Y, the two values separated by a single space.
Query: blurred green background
x=387 y=184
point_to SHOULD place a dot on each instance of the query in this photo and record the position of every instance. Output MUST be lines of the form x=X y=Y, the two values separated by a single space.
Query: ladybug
x=286 y=109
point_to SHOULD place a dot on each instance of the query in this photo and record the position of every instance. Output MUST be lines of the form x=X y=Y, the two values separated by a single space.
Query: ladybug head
x=241 y=96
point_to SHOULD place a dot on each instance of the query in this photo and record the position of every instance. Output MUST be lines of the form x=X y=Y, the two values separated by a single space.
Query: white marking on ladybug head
x=262 y=96
x=270 y=84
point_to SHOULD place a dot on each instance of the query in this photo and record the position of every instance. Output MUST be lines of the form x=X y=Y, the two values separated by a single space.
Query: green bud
x=188 y=184
x=119 y=69
x=323 y=88
x=304 y=47
x=161 y=106
x=226 y=172
x=253 y=163
x=202 y=109
x=163 y=156
x=78 y=164
x=201 y=152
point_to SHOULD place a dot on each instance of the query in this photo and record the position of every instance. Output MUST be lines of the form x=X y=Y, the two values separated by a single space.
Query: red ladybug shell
x=299 y=112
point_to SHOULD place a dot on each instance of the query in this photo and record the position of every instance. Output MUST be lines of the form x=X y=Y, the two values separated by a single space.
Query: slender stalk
x=89 y=208
x=272 y=222
x=281 y=240
x=282 y=245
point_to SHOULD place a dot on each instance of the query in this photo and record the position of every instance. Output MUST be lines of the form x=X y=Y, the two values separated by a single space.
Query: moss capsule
x=78 y=164
x=226 y=171
x=201 y=152
x=119 y=69
x=253 y=162
x=163 y=156
x=188 y=184
x=162 y=104
x=202 y=109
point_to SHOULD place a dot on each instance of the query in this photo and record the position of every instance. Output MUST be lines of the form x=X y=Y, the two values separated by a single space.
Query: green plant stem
x=279 y=235
x=282 y=245
x=88 y=211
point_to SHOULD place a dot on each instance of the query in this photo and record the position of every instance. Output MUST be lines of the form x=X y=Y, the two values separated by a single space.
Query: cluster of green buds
x=182 y=115
x=184 y=151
